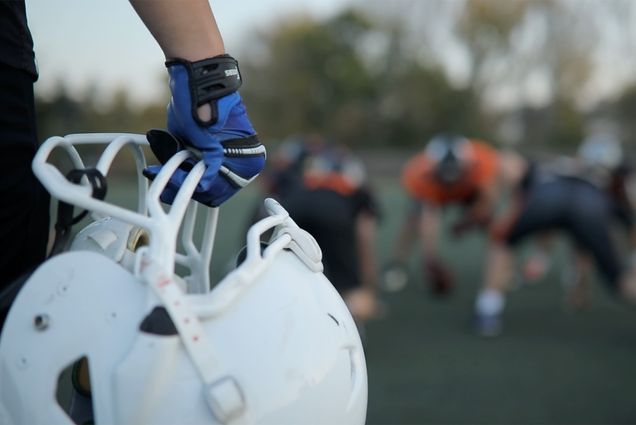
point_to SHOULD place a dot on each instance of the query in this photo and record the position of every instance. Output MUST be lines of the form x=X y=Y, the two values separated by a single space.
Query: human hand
x=500 y=229
x=440 y=278
x=224 y=139
x=363 y=304
x=468 y=221
x=461 y=226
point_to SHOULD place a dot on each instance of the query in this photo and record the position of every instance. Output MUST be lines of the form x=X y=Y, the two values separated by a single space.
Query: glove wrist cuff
x=209 y=80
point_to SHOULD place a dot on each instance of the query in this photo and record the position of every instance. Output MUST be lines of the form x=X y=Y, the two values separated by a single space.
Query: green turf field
x=551 y=366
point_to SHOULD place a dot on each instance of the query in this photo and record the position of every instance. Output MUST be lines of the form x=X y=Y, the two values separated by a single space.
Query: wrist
x=207 y=49
x=196 y=53
x=204 y=83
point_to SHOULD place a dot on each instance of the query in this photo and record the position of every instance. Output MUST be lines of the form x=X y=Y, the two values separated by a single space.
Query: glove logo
x=232 y=73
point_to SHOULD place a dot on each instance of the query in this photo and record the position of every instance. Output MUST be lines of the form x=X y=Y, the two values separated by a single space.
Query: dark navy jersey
x=330 y=217
x=16 y=44
x=612 y=187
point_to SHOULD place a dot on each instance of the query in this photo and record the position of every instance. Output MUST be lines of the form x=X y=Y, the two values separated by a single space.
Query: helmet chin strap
x=222 y=392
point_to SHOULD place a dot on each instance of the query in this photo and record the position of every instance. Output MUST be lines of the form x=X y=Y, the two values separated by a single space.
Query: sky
x=103 y=42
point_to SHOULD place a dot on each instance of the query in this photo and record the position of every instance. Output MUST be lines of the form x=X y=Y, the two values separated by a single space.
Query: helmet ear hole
x=242 y=255
x=74 y=391
x=138 y=238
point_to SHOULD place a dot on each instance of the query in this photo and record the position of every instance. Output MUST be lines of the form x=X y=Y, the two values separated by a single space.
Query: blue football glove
x=227 y=143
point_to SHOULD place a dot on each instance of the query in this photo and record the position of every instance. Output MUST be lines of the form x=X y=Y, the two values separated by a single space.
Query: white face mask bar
x=162 y=227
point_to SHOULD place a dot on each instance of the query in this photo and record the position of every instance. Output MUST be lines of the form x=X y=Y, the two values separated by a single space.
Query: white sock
x=489 y=302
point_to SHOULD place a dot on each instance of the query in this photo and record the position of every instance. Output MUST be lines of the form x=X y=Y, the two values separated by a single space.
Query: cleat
x=394 y=278
x=488 y=325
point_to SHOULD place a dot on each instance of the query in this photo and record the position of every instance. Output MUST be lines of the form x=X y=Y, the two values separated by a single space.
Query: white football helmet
x=271 y=343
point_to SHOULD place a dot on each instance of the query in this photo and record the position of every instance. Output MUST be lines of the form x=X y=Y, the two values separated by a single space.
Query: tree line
x=391 y=74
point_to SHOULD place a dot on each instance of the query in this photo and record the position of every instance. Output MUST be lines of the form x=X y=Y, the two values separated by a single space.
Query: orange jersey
x=418 y=177
x=334 y=181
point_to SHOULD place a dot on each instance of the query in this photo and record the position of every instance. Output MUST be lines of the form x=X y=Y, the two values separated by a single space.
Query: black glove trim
x=165 y=145
x=245 y=146
x=209 y=80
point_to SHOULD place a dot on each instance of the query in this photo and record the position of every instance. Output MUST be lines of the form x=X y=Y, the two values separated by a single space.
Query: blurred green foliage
x=356 y=77
x=63 y=114
x=319 y=77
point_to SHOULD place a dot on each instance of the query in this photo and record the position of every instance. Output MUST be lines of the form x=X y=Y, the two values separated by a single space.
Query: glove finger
x=219 y=191
x=177 y=178
x=151 y=171
x=212 y=189
x=212 y=163
x=168 y=195
x=170 y=191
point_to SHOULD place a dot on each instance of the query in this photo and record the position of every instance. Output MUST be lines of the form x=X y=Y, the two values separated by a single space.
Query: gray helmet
x=450 y=154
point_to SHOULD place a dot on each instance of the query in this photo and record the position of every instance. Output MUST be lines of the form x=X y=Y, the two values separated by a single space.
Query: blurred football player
x=451 y=171
x=323 y=187
x=581 y=198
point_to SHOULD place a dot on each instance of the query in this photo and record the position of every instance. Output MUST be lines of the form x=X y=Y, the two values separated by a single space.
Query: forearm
x=505 y=219
x=632 y=238
x=476 y=216
x=482 y=210
x=407 y=236
x=429 y=229
x=183 y=29
x=366 y=232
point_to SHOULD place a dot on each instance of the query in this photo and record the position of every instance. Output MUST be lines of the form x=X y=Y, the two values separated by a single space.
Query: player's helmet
x=272 y=342
x=450 y=155
x=327 y=162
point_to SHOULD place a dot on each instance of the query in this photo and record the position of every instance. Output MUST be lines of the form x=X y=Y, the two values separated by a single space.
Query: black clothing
x=576 y=207
x=24 y=204
x=16 y=44
x=330 y=217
